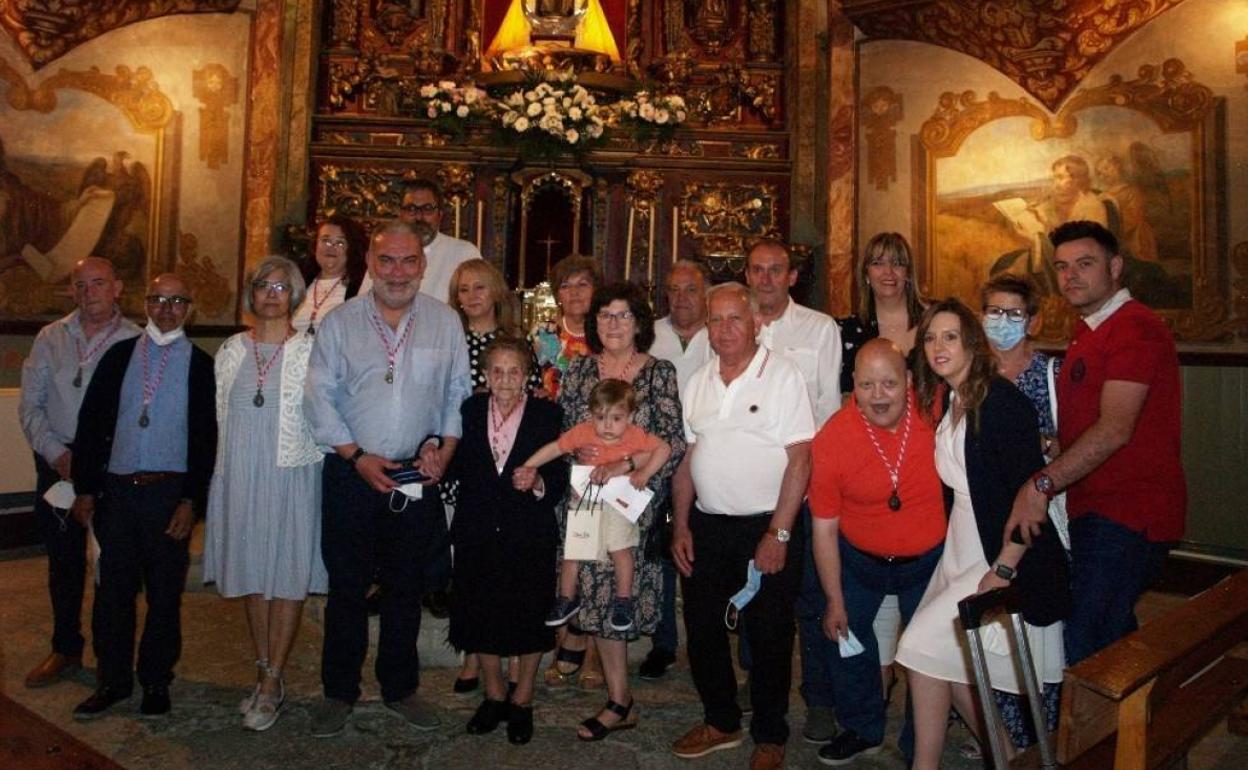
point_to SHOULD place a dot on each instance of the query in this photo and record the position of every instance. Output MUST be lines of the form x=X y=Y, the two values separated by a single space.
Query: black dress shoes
x=100 y=701
x=488 y=715
x=519 y=724
x=656 y=664
x=155 y=702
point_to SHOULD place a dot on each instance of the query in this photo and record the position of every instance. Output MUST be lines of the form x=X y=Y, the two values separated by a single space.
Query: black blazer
x=97 y=424
x=489 y=508
x=1000 y=457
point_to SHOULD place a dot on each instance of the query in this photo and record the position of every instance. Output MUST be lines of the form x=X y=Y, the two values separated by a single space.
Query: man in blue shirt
x=385 y=383
x=143 y=454
x=54 y=378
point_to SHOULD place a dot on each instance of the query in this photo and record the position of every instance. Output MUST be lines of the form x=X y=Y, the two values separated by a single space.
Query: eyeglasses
x=412 y=208
x=621 y=317
x=177 y=302
x=893 y=263
x=332 y=243
x=1015 y=314
x=274 y=286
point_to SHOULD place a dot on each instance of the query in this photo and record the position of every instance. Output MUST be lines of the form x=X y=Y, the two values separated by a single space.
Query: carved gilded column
x=263 y=131
x=643 y=200
x=841 y=179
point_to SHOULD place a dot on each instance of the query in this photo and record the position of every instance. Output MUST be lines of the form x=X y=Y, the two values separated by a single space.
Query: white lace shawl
x=295 y=446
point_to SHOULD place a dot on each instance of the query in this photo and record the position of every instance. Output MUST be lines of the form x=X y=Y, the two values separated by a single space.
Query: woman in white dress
x=263 y=536
x=335 y=273
x=987 y=447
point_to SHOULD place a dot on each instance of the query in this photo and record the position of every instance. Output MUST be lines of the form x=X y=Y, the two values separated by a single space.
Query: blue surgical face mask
x=1004 y=334
x=753 y=581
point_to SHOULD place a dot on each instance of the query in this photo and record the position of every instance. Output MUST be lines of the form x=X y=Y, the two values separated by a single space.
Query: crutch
x=972 y=611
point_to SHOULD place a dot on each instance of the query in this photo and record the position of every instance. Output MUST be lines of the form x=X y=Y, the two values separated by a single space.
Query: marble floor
x=203 y=730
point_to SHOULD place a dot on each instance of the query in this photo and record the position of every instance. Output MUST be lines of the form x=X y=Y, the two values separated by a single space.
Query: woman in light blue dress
x=263 y=538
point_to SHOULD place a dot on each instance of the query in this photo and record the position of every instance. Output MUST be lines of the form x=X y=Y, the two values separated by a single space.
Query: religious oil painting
x=992 y=188
x=74 y=181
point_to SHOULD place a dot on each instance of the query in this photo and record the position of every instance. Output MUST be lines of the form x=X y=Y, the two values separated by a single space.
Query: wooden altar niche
x=704 y=191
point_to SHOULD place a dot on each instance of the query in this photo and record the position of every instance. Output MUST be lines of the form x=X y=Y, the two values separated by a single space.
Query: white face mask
x=163 y=338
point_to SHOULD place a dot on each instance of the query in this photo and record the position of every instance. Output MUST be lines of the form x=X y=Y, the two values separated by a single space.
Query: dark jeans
x=865 y=582
x=1110 y=567
x=360 y=537
x=665 y=637
x=130 y=523
x=817 y=649
x=437 y=570
x=723 y=547
x=66 y=543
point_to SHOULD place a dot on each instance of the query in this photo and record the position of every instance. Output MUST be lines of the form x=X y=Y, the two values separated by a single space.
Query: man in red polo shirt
x=1119 y=409
x=879 y=528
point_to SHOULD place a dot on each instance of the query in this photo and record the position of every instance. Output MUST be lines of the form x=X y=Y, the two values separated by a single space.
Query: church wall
x=900 y=83
x=187 y=76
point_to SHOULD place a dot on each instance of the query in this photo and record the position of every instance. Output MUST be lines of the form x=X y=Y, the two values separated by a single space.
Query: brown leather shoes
x=55 y=668
x=704 y=739
x=767 y=756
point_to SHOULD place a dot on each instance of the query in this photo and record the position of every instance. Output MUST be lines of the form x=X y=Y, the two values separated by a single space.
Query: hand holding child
x=522 y=478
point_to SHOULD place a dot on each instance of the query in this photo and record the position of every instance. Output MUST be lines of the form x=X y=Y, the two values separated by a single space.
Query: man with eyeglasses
x=422 y=202
x=55 y=376
x=1119 y=407
x=143 y=457
x=812 y=341
x=384 y=387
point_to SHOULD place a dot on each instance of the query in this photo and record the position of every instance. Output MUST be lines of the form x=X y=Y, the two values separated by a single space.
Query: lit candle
x=480 y=223
x=650 y=249
x=675 y=233
x=628 y=245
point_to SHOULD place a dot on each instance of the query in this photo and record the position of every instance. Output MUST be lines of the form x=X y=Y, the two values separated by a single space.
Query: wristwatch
x=1044 y=484
x=782 y=535
x=1005 y=571
x=356 y=455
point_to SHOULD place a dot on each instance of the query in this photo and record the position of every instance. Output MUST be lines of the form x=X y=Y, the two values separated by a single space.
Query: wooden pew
x=1142 y=702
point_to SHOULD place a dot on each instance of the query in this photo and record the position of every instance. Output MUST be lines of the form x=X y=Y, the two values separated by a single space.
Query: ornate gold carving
x=722 y=217
x=365 y=193
x=757 y=151
x=264 y=89
x=1241 y=57
x=134 y=92
x=568 y=181
x=643 y=188
x=344 y=78
x=47 y=29
x=602 y=188
x=216 y=89
x=711 y=24
x=456 y=181
x=1047 y=48
x=1170 y=96
x=211 y=290
x=762 y=30
x=881 y=109
x=346 y=23
x=759 y=90
x=498 y=218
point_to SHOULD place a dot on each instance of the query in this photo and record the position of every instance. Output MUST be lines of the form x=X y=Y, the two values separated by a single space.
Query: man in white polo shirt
x=812 y=340
x=679 y=337
x=749 y=426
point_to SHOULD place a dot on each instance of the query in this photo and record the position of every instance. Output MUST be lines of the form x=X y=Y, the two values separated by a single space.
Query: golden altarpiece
x=635 y=196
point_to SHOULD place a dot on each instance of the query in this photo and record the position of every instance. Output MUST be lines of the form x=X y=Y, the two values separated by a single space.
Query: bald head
x=96 y=290
x=881 y=383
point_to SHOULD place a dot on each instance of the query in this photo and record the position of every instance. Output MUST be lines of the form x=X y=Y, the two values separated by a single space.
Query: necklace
x=497 y=421
x=392 y=352
x=628 y=365
x=894 y=470
x=262 y=369
x=150 y=386
x=318 y=300
x=82 y=360
x=563 y=321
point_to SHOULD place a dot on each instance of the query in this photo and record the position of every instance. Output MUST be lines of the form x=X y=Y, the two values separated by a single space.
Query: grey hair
x=738 y=288
x=270 y=265
x=691 y=264
x=423 y=232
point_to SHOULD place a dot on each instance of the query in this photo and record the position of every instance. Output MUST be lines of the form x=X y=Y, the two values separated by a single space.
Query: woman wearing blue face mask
x=1010 y=312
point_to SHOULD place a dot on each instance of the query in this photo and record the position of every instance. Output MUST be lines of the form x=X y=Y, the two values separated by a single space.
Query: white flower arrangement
x=566 y=112
x=659 y=110
x=446 y=98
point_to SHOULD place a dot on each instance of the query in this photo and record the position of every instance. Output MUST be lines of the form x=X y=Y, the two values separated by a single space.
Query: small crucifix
x=548 y=242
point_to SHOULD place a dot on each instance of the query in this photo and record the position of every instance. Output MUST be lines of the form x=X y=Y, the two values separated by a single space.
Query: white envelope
x=60 y=495
x=618 y=494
